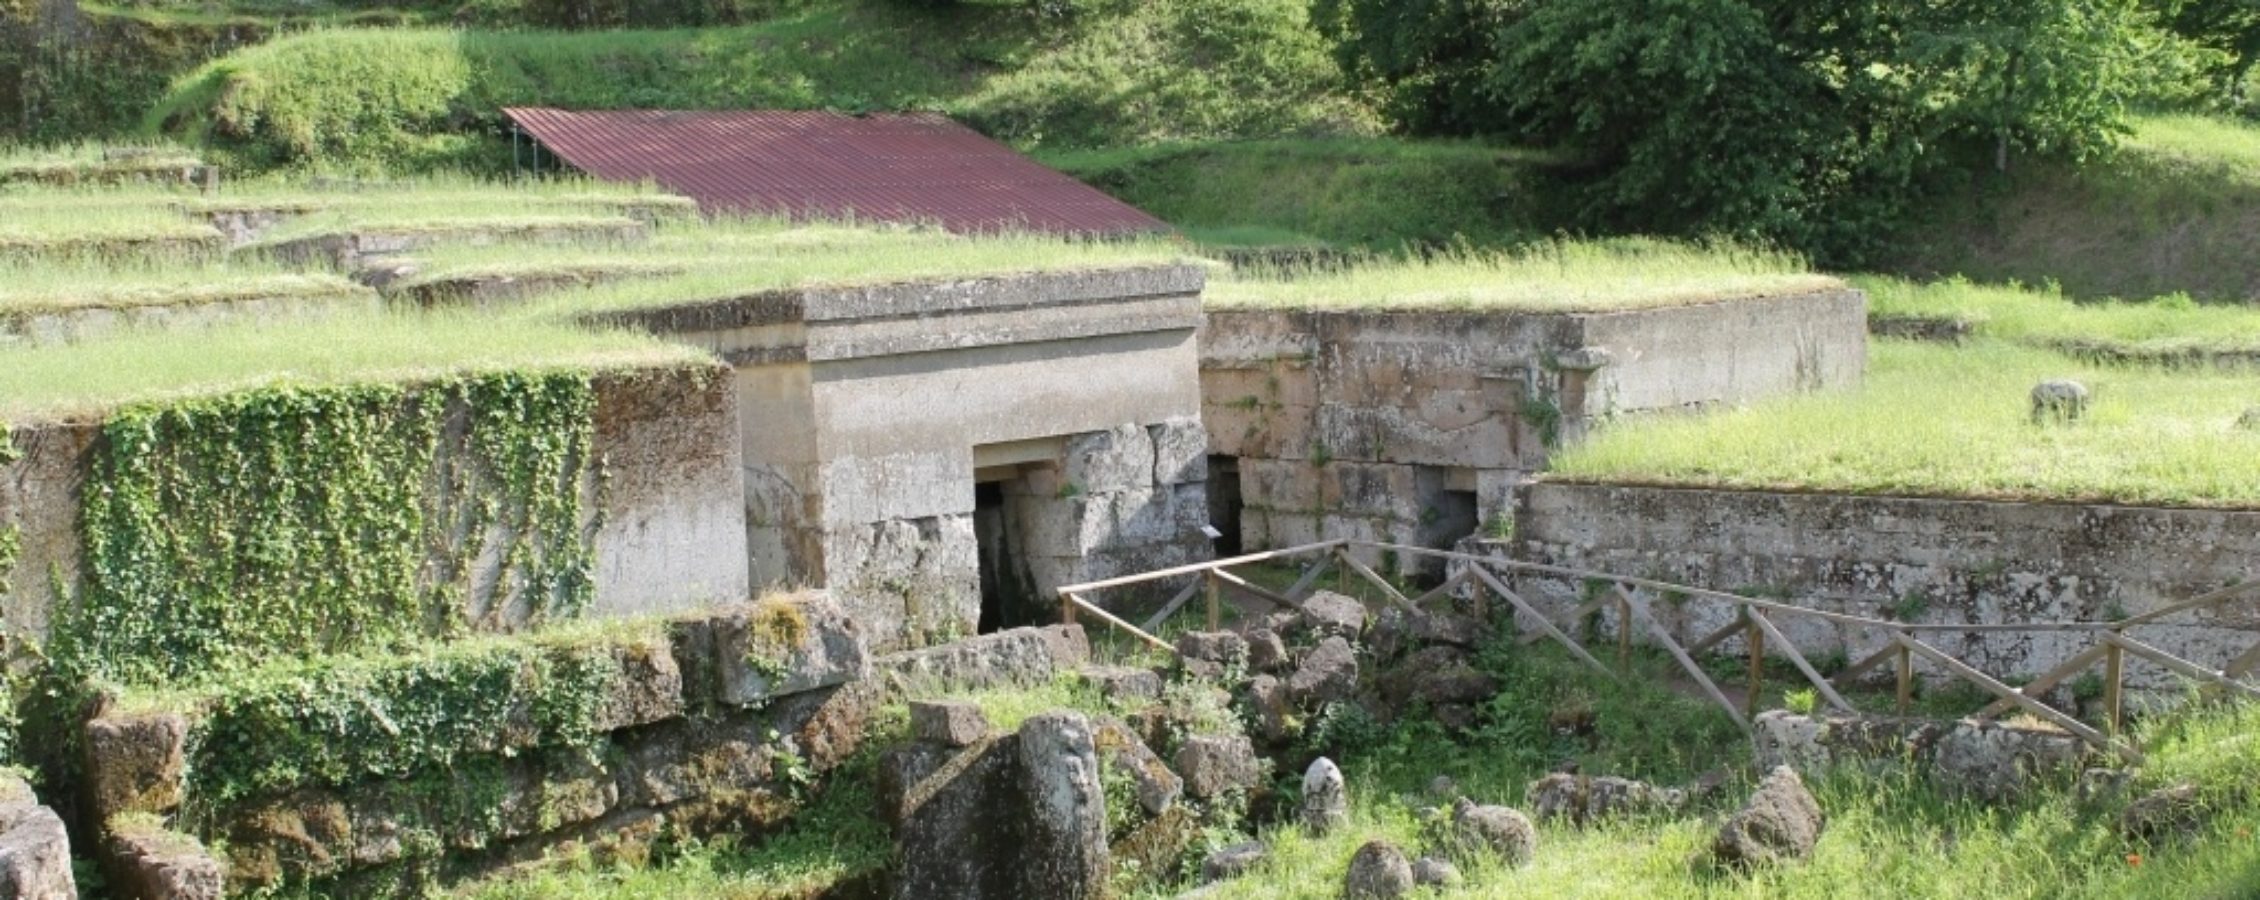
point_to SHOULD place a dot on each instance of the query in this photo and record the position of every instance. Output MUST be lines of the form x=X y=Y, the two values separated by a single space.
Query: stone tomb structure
x=940 y=455
x=1413 y=426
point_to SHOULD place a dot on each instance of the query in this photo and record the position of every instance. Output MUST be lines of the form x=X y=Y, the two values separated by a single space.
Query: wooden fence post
x=1756 y=638
x=1906 y=679
x=1214 y=589
x=1066 y=610
x=1624 y=632
x=2113 y=682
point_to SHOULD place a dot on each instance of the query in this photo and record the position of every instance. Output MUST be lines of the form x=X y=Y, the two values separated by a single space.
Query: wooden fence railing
x=1903 y=647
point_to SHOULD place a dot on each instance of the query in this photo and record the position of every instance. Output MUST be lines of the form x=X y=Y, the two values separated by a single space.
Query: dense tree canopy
x=1804 y=121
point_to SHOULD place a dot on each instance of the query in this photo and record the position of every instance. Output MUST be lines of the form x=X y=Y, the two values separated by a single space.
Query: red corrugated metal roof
x=918 y=167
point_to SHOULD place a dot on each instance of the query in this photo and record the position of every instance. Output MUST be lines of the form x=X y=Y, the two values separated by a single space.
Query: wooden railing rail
x=1484 y=578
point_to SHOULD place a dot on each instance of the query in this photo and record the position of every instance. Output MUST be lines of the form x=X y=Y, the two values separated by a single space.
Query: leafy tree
x=1805 y=121
x=2229 y=29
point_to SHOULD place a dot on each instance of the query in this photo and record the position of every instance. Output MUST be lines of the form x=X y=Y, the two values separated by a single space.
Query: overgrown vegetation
x=325 y=520
x=1934 y=420
x=1112 y=72
x=1370 y=193
x=2165 y=328
x=337 y=721
x=1812 y=124
x=1557 y=276
x=2173 y=210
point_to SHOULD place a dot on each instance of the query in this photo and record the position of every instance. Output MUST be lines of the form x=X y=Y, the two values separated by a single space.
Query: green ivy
x=312 y=521
x=344 y=720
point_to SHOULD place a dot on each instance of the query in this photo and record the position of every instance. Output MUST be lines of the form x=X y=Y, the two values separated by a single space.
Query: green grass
x=47 y=289
x=86 y=157
x=1559 y=276
x=417 y=99
x=2176 y=210
x=753 y=264
x=2045 y=316
x=152 y=366
x=1376 y=193
x=1944 y=421
x=33 y=227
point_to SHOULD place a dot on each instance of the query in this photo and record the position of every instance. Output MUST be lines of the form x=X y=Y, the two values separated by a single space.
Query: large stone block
x=907 y=582
x=1020 y=656
x=1119 y=458
x=1180 y=451
x=1023 y=816
x=135 y=763
x=35 y=852
x=148 y=862
x=786 y=644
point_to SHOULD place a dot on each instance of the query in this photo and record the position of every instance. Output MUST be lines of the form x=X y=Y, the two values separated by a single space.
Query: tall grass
x=1558 y=276
x=2043 y=315
x=736 y=263
x=148 y=366
x=1940 y=421
x=1378 y=193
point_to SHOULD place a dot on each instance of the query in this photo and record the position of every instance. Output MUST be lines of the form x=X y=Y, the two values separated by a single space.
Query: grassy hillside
x=1378 y=193
x=2176 y=210
x=1116 y=72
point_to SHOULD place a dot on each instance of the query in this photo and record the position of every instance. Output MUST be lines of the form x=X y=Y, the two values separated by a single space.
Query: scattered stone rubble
x=1379 y=871
x=1780 y=823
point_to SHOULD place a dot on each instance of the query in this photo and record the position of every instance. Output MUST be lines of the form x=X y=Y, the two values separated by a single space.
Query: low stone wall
x=83 y=323
x=1989 y=759
x=1414 y=426
x=702 y=729
x=1908 y=559
x=349 y=251
x=668 y=524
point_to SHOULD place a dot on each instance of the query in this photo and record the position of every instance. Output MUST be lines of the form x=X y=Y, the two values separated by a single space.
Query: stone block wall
x=701 y=733
x=1911 y=559
x=1388 y=425
x=666 y=514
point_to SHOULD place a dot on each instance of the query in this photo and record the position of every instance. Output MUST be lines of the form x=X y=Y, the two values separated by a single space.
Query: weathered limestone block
x=1124 y=682
x=1326 y=798
x=135 y=763
x=650 y=688
x=787 y=645
x=1328 y=673
x=1379 y=871
x=1120 y=458
x=1120 y=747
x=950 y=723
x=1273 y=709
x=1067 y=848
x=1996 y=761
x=1989 y=759
x=1329 y=613
x=1498 y=830
x=1780 y=823
x=1213 y=765
x=1021 y=816
x=906 y=581
x=35 y=852
x=147 y=862
x=1585 y=799
x=1180 y=451
x=1233 y=861
x=1019 y=656
x=1266 y=651
x=1436 y=872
